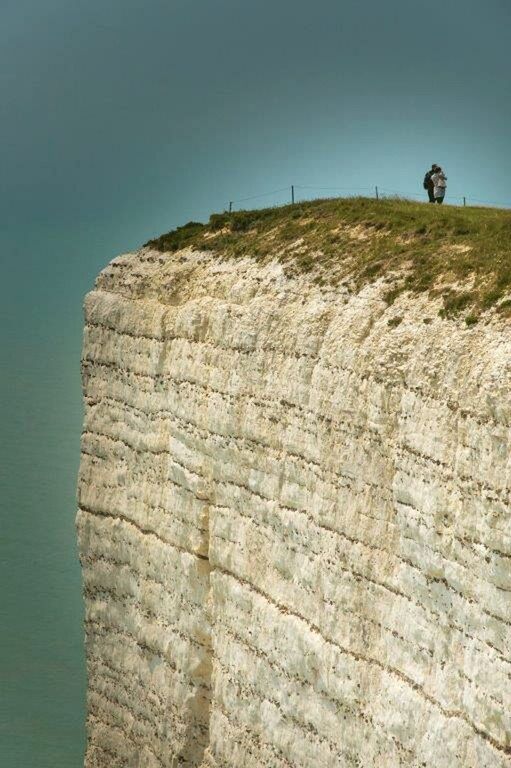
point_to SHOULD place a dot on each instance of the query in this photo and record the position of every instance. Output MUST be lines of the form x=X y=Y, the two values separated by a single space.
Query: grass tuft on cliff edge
x=460 y=254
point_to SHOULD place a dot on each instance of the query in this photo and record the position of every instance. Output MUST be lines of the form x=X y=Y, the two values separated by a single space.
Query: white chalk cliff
x=294 y=523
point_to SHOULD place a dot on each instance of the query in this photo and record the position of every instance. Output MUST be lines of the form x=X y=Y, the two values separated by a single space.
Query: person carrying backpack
x=428 y=183
x=439 y=180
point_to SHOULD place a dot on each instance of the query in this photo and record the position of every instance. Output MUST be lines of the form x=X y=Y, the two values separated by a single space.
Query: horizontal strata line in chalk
x=106 y=631
x=105 y=465
x=200 y=729
x=99 y=717
x=240 y=737
x=99 y=701
x=199 y=431
x=305 y=416
x=345 y=427
x=87 y=513
x=441 y=581
x=436 y=616
x=349 y=433
x=308 y=728
x=486 y=645
x=315 y=359
x=108 y=461
x=278 y=506
x=128 y=737
x=228 y=628
x=169 y=512
x=98 y=569
x=387 y=523
x=248 y=693
x=269 y=533
x=353 y=541
x=305 y=685
x=152 y=451
x=362 y=617
x=97 y=749
x=445 y=621
x=405 y=679
x=266 y=349
x=91 y=560
x=147 y=450
x=142 y=610
x=271 y=350
x=116 y=515
x=255 y=736
x=110 y=693
x=150 y=705
x=96 y=715
x=111 y=669
x=159 y=712
x=457 y=564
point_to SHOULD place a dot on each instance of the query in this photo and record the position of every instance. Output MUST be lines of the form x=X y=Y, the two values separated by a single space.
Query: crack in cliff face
x=294 y=528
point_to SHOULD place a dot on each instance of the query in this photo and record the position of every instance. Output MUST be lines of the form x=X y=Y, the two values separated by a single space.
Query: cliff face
x=294 y=523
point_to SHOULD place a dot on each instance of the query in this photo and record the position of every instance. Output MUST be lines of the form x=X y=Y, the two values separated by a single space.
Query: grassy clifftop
x=460 y=254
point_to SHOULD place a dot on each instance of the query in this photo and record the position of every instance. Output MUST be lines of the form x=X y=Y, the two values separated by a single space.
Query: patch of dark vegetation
x=392 y=295
x=179 y=238
x=456 y=302
x=374 y=268
x=434 y=249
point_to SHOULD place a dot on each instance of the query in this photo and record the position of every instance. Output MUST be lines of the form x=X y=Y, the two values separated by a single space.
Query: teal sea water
x=42 y=673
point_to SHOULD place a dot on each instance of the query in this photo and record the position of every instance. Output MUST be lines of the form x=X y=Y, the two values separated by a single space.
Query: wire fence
x=296 y=193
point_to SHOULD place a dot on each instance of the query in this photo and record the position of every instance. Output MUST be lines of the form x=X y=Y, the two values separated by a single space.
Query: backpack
x=427 y=180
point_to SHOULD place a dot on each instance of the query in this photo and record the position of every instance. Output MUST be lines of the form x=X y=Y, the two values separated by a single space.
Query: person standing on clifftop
x=439 y=180
x=428 y=184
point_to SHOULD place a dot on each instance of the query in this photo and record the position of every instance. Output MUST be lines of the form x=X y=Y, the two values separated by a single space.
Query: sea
x=46 y=271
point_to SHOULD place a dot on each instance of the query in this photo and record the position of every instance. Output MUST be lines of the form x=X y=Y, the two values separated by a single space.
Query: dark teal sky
x=123 y=118
x=157 y=112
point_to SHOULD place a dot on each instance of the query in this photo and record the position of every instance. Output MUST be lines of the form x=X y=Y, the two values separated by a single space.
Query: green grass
x=460 y=254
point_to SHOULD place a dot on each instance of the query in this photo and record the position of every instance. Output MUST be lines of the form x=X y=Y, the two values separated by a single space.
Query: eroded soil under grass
x=460 y=254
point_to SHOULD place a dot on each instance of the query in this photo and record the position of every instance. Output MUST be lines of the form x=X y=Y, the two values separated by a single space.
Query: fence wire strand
x=263 y=194
x=377 y=191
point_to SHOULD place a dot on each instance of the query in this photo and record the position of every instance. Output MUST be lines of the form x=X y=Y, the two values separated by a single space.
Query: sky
x=121 y=119
x=148 y=114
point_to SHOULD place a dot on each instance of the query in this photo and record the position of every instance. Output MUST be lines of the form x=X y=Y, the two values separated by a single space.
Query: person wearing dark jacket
x=429 y=184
